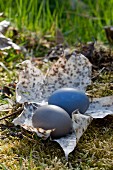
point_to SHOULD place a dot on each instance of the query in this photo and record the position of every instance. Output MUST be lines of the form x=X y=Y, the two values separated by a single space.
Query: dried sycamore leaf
x=67 y=143
x=74 y=72
x=4 y=26
x=101 y=107
x=30 y=85
x=80 y=123
x=6 y=43
x=34 y=86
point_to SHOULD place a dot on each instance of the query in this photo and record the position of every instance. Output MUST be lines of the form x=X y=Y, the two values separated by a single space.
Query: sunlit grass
x=82 y=21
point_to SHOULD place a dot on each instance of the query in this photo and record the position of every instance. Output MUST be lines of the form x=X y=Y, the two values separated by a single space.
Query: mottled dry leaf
x=4 y=26
x=101 y=107
x=30 y=85
x=34 y=86
x=74 y=72
x=6 y=43
x=67 y=143
x=80 y=123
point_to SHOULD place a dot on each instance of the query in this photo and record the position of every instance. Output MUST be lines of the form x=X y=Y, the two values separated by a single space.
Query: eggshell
x=70 y=99
x=52 y=117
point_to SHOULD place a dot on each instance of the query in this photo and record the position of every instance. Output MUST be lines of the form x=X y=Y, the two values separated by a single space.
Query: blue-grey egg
x=70 y=99
x=52 y=117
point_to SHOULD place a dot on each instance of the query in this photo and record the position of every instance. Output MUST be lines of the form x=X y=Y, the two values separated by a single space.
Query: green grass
x=83 y=21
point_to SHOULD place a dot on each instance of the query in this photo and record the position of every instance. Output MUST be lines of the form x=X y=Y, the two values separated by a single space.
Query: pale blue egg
x=70 y=99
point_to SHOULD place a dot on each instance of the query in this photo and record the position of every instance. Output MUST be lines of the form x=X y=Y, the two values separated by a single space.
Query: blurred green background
x=79 y=20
